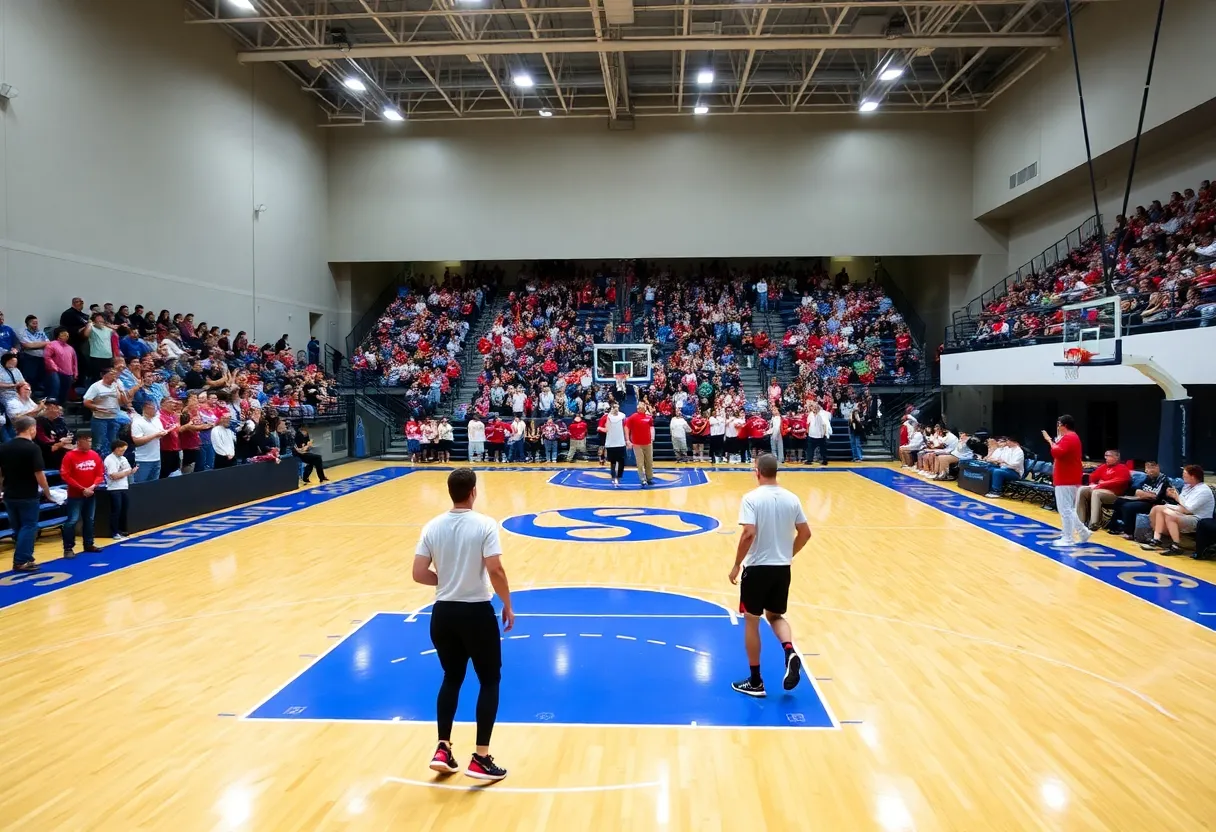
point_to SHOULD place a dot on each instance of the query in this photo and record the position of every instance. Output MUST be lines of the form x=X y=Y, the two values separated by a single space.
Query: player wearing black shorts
x=774 y=530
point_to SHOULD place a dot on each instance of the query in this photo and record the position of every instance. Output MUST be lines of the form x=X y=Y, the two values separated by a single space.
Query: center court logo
x=593 y=479
x=617 y=524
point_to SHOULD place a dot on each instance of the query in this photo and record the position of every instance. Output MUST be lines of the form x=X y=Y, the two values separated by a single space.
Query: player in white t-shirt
x=774 y=530
x=463 y=546
x=477 y=439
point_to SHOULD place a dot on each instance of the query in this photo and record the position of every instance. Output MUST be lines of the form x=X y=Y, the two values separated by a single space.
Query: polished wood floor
x=995 y=689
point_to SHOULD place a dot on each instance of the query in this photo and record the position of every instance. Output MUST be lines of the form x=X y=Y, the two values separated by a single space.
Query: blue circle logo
x=595 y=479
x=621 y=524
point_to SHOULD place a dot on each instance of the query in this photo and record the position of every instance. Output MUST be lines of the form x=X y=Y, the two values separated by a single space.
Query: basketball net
x=1076 y=357
x=621 y=378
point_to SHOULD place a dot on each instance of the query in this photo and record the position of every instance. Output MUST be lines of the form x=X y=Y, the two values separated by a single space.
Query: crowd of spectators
x=183 y=395
x=1162 y=260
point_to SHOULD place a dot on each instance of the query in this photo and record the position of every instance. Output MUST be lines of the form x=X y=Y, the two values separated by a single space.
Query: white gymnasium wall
x=1185 y=354
x=131 y=163
x=1161 y=168
x=1038 y=119
x=702 y=188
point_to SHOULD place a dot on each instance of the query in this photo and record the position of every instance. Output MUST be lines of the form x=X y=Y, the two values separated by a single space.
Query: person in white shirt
x=146 y=431
x=517 y=402
x=762 y=294
x=1010 y=462
x=818 y=431
x=118 y=470
x=916 y=441
x=613 y=431
x=944 y=445
x=774 y=529
x=679 y=437
x=463 y=547
x=545 y=400
x=515 y=441
x=1195 y=502
x=954 y=450
x=717 y=436
x=104 y=398
x=775 y=440
x=734 y=448
x=477 y=439
x=223 y=442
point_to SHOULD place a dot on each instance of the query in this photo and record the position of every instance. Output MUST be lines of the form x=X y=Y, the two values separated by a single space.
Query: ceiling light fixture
x=868 y=106
x=891 y=73
x=392 y=114
x=700 y=109
x=546 y=113
x=705 y=77
x=243 y=5
x=523 y=79
x=354 y=84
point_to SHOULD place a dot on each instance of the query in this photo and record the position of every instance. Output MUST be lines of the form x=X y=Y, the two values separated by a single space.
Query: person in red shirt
x=82 y=472
x=639 y=432
x=757 y=427
x=413 y=438
x=1107 y=483
x=797 y=423
x=1066 y=476
x=698 y=426
x=496 y=439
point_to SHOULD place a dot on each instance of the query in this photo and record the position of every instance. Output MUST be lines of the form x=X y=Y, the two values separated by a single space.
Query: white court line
x=554 y=635
x=605 y=614
x=515 y=637
x=628 y=638
x=689 y=649
x=590 y=635
x=395 y=661
x=399 y=721
x=653 y=641
x=488 y=788
x=427 y=652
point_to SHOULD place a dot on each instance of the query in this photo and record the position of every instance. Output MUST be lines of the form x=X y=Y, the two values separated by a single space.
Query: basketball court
x=269 y=668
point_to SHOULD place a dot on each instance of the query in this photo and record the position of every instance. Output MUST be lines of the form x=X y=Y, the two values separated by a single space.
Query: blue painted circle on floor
x=599 y=479
x=616 y=524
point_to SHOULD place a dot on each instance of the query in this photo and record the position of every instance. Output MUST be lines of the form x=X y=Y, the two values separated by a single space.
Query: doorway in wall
x=1101 y=428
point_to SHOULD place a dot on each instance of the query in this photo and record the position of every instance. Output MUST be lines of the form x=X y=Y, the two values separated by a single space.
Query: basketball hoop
x=621 y=379
x=1074 y=359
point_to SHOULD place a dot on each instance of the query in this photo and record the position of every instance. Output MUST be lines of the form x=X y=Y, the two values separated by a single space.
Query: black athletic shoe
x=1173 y=549
x=484 y=768
x=793 y=670
x=748 y=688
x=443 y=761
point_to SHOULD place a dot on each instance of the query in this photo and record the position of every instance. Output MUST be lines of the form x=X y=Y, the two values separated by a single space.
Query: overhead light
x=891 y=73
x=705 y=77
x=392 y=114
x=523 y=79
x=868 y=106
x=354 y=84
x=700 y=109
x=243 y=5
x=546 y=113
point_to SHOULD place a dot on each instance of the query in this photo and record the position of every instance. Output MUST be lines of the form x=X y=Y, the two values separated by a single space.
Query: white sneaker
x=1062 y=543
x=1085 y=535
x=120 y=537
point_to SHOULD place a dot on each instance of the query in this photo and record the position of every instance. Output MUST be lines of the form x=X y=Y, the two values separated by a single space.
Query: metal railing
x=1037 y=265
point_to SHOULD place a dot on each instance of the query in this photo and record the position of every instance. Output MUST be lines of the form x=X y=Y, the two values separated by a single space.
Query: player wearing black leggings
x=464 y=549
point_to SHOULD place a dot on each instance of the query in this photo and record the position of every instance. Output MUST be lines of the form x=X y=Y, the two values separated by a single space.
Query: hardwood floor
x=978 y=684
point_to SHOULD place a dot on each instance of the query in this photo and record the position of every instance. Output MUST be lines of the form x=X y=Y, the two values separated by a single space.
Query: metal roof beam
x=668 y=44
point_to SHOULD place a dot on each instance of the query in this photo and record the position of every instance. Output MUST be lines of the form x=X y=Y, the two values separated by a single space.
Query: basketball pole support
x=1174 y=435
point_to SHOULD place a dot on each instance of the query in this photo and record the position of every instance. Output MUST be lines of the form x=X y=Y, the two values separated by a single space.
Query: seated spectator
x=1125 y=510
x=1107 y=483
x=908 y=452
x=22 y=404
x=1009 y=461
x=309 y=458
x=1194 y=503
x=53 y=437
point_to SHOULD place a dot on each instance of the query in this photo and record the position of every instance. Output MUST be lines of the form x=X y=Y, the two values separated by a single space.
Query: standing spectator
x=59 y=365
x=171 y=440
x=717 y=436
x=698 y=426
x=679 y=437
x=146 y=433
x=76 y=321
x=548 y=435
x=639 y=432
x=8 y=337
x=314 y=351
x=1194 y=502
x=578 y=438
x=22 y=472
x=446 y=437
x=612 y=426
x=818 y=431
x=776 y=440
x=188 y=434
x=82 y=471
x=10 y=380
x=33 y=347
x=1107 y=482
x=477 y=439
x=105 y=397
x=496 y=437
x=762 y=294
x=310 y=458
x=101 y=346
x=515 y=442
x=1066 y=474
x=857 y=428
x=413 y=439
x=118 y=486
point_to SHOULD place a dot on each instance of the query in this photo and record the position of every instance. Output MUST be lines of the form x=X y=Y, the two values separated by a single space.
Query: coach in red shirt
x=1107 y=483
x=1066 y=474
x=639 y=432
x=757 y=426
x=82 y=472
x=578 y=438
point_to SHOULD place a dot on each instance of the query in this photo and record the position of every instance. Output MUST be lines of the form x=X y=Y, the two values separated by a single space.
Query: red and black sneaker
x=443 y=761
x=484 y=768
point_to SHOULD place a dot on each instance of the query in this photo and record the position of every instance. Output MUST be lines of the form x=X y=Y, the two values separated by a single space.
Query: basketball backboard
x=612 y=359
x=1092 y=333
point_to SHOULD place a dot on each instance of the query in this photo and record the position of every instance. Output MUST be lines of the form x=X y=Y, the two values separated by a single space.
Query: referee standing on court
x=464 y=549
x=774 y=530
